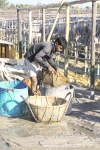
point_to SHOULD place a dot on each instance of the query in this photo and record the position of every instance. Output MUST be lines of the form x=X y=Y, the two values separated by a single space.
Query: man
x=36 y=56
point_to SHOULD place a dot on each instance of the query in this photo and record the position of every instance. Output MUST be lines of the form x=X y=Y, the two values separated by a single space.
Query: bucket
x=11 y=104
x=61 y=91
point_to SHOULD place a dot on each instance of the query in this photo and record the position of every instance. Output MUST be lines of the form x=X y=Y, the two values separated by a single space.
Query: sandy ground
x=79 y=130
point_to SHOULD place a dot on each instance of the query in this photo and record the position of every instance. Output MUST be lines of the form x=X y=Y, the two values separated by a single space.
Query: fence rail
x=57 y=5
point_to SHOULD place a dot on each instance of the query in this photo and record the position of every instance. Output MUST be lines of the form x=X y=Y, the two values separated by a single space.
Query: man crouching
x=38 y=54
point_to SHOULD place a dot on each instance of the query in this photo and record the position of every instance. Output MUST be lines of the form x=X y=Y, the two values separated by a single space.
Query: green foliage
x=98 y=5
x=72 y=7
x=4 y=4
x=87 y=7
x=12 y=6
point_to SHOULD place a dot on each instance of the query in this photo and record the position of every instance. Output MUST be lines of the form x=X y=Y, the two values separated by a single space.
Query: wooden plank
x=56 y=5
x=79 y=58
x=3 y=51
x=6 y=42
x=19 y=33
x=25 y=44
x=30 y=29
x=0 y=50
x=76 y=60
x=48 y=39
x=77 y=46
x=92 y=92
x=78 y=2
x=7 y=51
x=97 y=59
x=86 y=57
x=41 y=7
x=43 y=23
x=67 y=24
x=13 y=54
x=39 y=10
x=97 y=62
x=67 y=38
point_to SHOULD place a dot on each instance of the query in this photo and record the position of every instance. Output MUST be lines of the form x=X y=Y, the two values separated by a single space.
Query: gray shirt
x=39 y=52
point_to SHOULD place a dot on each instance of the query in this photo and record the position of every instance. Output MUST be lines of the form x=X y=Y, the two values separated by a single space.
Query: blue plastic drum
x=11 y=104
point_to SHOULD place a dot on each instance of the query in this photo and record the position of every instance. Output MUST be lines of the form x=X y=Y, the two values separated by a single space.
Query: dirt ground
x=79 y=130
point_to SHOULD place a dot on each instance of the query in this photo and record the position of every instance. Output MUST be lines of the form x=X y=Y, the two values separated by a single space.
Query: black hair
x=61 y=41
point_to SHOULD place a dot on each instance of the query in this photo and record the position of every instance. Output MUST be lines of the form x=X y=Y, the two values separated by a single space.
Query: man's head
x=60 y=44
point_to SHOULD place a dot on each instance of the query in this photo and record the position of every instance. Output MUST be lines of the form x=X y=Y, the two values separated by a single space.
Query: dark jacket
x=40 y=52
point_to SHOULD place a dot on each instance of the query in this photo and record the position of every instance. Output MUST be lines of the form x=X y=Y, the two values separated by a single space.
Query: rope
x=30 y=108
x=3 y=90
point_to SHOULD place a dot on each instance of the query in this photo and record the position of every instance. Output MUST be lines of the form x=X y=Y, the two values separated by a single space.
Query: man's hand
x=58 y=72
x=51 y=69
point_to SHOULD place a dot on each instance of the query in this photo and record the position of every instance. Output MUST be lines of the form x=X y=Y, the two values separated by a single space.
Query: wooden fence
x=23 y=32
x=60 y=5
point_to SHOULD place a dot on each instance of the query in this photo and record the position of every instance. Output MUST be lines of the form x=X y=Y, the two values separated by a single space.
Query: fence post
x=30 y=28
x=98 y=65
x=75 y=60
x=39 y=10
x=89 y=63
x=15 y=47
x=92 y=93
x=12 y=35
x=25 y=45
x=19 y=33
x=67 y=38
x=9 y=51
x=1 y=34
x=86 y=60
x=55 y=21
x=43 y=23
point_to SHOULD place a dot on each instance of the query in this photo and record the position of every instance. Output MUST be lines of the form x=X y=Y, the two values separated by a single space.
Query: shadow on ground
x=85 y=108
